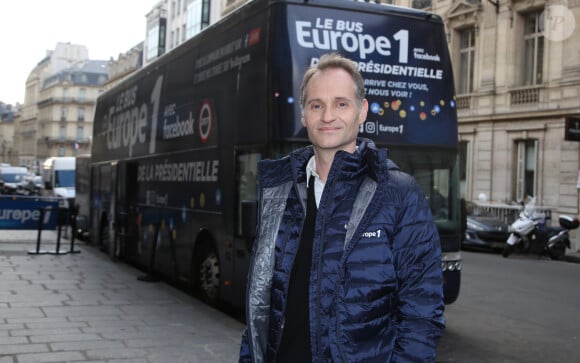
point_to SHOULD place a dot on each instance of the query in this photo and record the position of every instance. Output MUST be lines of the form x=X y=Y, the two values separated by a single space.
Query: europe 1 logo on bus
x=333 y=34
x=126 y=121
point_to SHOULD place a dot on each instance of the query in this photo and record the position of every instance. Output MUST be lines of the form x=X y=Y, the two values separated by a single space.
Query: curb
x=574 y=258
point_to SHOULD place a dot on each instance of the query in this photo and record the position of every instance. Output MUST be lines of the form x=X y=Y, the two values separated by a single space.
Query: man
x=347 y=262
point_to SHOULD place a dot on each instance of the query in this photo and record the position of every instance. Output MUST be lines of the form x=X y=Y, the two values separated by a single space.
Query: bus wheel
x=208 y=276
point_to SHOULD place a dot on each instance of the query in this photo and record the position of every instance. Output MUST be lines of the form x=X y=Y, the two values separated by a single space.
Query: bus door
x=102 y=182
x=246 y=214
x=125 y=232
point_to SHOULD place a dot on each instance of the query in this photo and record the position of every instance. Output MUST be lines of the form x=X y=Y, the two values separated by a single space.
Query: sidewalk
x=84 y=307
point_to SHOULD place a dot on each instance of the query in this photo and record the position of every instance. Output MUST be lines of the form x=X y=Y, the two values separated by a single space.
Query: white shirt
x=318 y=183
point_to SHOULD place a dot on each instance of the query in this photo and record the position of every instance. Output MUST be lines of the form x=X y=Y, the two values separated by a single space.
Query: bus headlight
x=451 y=261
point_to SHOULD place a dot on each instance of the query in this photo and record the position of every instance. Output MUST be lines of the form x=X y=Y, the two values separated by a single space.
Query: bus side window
x=247 y=191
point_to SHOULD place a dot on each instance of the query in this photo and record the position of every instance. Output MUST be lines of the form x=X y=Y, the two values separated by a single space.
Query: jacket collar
x=366 y=159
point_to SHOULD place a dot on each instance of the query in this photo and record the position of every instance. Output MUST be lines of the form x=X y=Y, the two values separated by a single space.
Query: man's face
x=332 y=114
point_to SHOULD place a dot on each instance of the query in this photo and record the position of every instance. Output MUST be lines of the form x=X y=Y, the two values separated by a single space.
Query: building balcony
x=525 y=95
x=463 y=102
x=64 y=100
x=50 y=140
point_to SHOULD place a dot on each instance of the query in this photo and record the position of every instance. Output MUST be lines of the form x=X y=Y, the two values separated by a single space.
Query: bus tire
x=207 y=275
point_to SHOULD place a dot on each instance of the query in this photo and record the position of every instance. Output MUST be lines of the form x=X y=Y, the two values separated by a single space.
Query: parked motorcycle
x=529 y=233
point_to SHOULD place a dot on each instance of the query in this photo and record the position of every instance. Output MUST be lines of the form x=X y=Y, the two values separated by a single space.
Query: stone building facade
x=9 y=116
x=517 y=77
x=59 y=102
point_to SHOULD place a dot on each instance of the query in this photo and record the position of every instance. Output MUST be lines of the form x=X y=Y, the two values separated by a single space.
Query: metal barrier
x=65 y=217
x=37 y=213
x=509 y=212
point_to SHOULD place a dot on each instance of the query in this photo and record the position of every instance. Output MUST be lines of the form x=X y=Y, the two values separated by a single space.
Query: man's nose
x=328 y=114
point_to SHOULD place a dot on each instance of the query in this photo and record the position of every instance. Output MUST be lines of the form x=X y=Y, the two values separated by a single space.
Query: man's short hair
x=334 y=60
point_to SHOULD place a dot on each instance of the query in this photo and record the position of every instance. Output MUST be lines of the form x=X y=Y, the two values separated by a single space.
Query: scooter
x=529 y=233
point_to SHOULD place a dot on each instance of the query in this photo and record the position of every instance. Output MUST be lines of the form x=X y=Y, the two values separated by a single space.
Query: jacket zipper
x=317 y=351
x=338 y=346
x=279 y=339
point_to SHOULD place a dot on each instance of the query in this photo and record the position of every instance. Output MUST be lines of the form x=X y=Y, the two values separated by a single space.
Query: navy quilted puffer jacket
x=376 y=282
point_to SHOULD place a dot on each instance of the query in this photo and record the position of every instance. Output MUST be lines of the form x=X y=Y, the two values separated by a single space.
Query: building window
x=62 y=132
x=197 y=17
x=153 y=42
x=82 y=94
x=63 y=113
x=466 y=60
x=421 y=4
x=526 y=166
x=533 y=49
x=64 y=94
x=81 y=114
x=80 y=132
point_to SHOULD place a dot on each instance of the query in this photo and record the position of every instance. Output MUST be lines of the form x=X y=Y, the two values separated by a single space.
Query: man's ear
x=364 y=109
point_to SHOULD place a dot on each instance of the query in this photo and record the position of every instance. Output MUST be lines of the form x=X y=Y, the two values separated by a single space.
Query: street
x=517 y=309
x=84 y=306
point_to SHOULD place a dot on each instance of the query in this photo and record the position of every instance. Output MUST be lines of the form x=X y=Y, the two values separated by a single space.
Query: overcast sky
x=29 y=28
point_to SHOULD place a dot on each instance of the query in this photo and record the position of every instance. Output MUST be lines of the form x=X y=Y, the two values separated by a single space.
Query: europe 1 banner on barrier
x=28 y=214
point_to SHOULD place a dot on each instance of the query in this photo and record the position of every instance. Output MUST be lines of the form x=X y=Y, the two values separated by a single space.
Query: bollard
x=73 y=229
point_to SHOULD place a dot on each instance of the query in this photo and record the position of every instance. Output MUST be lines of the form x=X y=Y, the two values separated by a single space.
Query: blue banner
x=26 y=214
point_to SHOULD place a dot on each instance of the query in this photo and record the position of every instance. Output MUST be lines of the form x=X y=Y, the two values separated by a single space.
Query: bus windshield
x=435 y=171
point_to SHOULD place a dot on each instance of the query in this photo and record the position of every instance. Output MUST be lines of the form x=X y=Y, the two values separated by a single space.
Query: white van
x=59 y=179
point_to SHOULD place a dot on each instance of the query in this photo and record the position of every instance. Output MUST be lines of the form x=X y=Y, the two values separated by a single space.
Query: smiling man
x=346 y=263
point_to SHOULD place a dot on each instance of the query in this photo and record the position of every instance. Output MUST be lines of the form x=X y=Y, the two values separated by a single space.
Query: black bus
x=175 y=146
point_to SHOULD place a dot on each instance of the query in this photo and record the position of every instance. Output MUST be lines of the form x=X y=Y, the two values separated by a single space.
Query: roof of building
x=88 y=72
x=6 y=112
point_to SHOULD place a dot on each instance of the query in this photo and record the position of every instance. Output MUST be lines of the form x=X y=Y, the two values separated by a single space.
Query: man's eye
x=342 y=104
x=315 y=107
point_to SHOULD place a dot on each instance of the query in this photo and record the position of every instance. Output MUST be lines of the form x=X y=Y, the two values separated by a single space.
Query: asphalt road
x=517 y=309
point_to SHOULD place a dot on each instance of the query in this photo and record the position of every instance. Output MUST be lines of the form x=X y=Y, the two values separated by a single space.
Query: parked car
x=12 y=178
x=484 y=230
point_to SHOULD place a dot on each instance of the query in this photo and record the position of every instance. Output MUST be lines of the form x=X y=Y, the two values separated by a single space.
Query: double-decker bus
x=176 y=145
